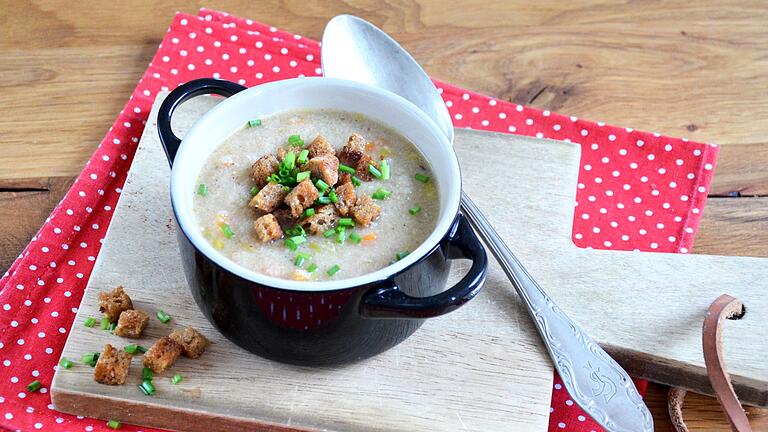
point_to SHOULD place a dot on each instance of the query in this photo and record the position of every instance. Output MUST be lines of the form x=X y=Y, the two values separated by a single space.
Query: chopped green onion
x=90 y=358
x=309 y=212
x=289 y=162
x=112 y=326
x=333 y=270
x=375 y=171
x=105 y=323
x=294 y=242
x=312 y=268
x=147 y=388
x=401 y=255
x=66 y=363
x=254 y=191
x=299 y=261
x=329 y=233
x=321 y=185
x=355 y=237
x=340 y=228
x=346 y=169
x=90 y=322
x=414 y=210
x=303 y=157
x=346 y=222
x=341 y=236
x=227 y=230
x=323 y=200
x=421 y=177
x=300 y=177
x=356 y=181
x=163 y=317
x=115 y=424
x=333 y=197
x=133 y=349
x=384 y=170
x=254 y=123
x=295 y=231
x=147 y=374
x=176 y=379
x=381 y=194
x=34 y=386
x=202 y=190
x=295 y=140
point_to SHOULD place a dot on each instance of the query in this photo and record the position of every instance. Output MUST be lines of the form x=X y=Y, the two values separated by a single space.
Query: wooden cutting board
x=480 y=368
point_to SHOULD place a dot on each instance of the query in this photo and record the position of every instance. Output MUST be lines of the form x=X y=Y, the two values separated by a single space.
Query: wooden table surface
x=692 y=69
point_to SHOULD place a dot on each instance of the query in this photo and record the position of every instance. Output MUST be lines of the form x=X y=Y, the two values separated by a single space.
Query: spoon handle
x=593 y=379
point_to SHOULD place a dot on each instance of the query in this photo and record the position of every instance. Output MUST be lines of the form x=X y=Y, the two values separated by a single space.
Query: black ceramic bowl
x=329 y=322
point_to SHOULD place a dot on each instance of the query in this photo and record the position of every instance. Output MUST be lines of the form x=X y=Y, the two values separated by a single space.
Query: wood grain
x=691 y=69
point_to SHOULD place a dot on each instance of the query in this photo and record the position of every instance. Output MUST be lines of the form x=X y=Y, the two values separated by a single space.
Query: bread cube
x=264 y=167
x=365 y=210
x=319 y=147
x=162 y=354
x=131 y=323
x=268 y=198
x=192 y=342
x=347 y=198
x=325 y=167
x=324 y=219
x=267 y=228
x=302 y=196
x=112 y=366
x=113 y=303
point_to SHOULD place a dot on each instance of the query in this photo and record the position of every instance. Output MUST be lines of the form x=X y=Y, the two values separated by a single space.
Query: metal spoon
x=355 y=49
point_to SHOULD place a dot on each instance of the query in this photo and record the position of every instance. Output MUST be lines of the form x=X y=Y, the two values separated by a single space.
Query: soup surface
x=316 y=195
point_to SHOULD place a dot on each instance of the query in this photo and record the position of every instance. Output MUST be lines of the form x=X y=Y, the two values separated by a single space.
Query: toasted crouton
x=323 y=219
x=267 y=228
x=268 y=198
x=344 y=178
x=162 y=354
x=284 y=217
x=192 y=342
x=320 y=146
x=352 y=151
x=131 y=323
x=301 y=197
x=325 y=167
x=347 y=197
x=114 y=302
x=361 y=169
x=263 y=168
x=112 y=366
x=365 y=210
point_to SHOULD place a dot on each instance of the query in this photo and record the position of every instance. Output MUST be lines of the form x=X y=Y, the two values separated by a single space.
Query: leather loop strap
x=724 y=307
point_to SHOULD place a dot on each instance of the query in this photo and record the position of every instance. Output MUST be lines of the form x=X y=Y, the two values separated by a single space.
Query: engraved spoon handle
x=594 y=380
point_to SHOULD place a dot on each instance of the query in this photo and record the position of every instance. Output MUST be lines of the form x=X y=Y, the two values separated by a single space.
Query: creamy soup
x=316 y=195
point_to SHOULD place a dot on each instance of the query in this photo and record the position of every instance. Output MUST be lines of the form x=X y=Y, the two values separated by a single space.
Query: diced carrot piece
x=370 y=146
x=369 y=237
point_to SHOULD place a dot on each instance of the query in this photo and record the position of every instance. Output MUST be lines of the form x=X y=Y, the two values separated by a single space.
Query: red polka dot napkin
x=637 y=190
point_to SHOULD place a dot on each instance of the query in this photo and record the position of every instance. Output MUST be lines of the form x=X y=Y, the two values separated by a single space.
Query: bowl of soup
x=318 y=218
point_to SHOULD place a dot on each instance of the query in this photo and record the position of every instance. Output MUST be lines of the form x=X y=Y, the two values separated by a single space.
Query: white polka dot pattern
x=636 y=191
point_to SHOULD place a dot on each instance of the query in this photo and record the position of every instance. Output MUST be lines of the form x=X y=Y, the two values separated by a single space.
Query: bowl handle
x=178 y=96
x=390 y=302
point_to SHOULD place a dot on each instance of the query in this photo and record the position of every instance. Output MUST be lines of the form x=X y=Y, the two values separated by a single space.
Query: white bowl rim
x=190 y=228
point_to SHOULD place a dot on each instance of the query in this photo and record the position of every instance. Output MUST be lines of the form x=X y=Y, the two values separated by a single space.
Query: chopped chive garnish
x=340 y=228
x=309 y=212
x=289 y=162
x=381 y=194
x=163 y=317
x=299 y=261
x=332 y=195
x=147 y=388
x=295 y=231
x=374 y=171
x=202 y=190
x=115 y=424
x=421 y=177
x=34 y=386
x=254 y=123
x=312 y=268
x=90 y=358
x=355 y=237
x=302 y=159
x=105 y=323
x=321 y=185
x=384 y=170
x=300 y=177
x=401 y=255
x=112 y=326
x=329 y=233
x=66 y=363
x=133 y=349
x=147 y=374
x=341 y=236
x=254 y=191
x=293 y=242
x=90 y=322
x=346 y=222
x=323 y=200
x=356 y=181
x=333 y=270
x=414 y=210
x=228 y=233
x=346 y=169
x=295 y=140
x=176 y=379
